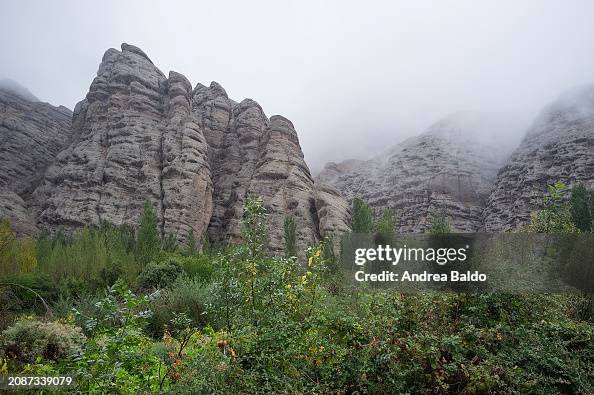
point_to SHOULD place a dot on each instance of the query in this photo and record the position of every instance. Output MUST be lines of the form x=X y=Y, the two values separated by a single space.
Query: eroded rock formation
x=558 y=147
x=194 y=153
x=449 y=168
x=32 y=133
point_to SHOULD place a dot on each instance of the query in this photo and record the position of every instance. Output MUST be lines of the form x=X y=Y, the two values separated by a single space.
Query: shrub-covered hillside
x=125 y=312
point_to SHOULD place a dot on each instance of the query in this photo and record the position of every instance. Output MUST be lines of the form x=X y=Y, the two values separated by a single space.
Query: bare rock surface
x=32 y=134
x=251 y=154
x=558 y=147
x=194 y=153
x=334 y=213
x=449 y=168
x=135 y=139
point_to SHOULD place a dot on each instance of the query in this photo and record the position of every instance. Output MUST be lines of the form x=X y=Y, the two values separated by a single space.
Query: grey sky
x=354 y=77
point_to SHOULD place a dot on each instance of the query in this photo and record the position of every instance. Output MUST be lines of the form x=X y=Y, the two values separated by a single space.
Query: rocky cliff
x=33 y=133
x=449 y=168
x=193 y=152
x=558 y=147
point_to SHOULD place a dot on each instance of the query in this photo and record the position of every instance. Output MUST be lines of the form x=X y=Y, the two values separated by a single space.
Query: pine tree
x=440 y=224
x=362 y=217
x=582 y=207
x=290 y=239
x=192 y=246
x=170 y=243
x=148 y=241
x=555 y=217
x=384 y=227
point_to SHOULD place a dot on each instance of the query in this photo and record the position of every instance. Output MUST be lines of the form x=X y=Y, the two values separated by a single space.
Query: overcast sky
x=354 y=77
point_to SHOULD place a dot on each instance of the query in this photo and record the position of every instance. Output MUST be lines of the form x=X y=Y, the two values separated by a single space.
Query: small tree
x=582 y=207
x=192 y=244
x=440 y=224
x=148 y=241
x=254 y=234
x=169 y=243
x=555 y=217
x=384 y=227
x=290 y=239
x=362 y=217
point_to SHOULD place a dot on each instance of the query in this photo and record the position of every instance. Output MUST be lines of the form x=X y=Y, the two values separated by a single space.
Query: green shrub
x=186 y=295
x=199 y=267
x=27 y=340
x=159 y=275
x=440 y=224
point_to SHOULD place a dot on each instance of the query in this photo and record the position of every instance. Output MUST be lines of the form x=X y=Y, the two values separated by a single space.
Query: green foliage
x=192 y=244
x=186 y=295
x=555 y=216
x=362 y=221
x=28 y=340
x=237 y=320
x=440 y=224
x=159 y=275
x=16 y=255
x=384 y=227
x=290 y=238
x=169 y=243
x=118 y=355
x=582 y=207
x=147 y=241
x=199 y=267
x=93 y=257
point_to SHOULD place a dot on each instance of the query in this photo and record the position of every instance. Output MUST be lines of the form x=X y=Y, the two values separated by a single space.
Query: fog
x=354 y=77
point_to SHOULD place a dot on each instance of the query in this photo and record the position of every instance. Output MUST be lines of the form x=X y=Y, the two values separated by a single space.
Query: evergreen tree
x=440 y=224
x=362 y=217
x=384 y=227
x=290 y=239
x=170 y=243
x=555 y=217
x=148 y=241
x=582 y=207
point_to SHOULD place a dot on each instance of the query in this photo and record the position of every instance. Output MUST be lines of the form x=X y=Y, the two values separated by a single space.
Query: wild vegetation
x=126 y=312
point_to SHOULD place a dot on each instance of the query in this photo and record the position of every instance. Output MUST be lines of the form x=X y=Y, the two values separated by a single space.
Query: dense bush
x=159 y=275
x=186 y=295
x=30 y=339
x=239 y=321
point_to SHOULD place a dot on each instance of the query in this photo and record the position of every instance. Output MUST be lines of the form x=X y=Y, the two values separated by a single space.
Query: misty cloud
x=354 y=77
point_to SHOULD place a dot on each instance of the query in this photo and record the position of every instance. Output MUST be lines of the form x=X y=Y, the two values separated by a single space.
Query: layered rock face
x=334 y=212
x=194 y=153
x=32 y=134
x=251 y=154
x=448 y=168
x=558 y=147
x=135 y=139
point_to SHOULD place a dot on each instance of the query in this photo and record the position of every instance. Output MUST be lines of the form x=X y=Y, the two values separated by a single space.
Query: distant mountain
x=196 y=155
x=558 y=147
x=10 y=86
x=33 y=133
x=449 y=168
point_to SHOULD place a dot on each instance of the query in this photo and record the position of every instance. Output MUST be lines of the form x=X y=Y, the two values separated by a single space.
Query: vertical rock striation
x=32 y=134
x=448 y=168
x=558 y=147
x=194 y=153
x=135 y=139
